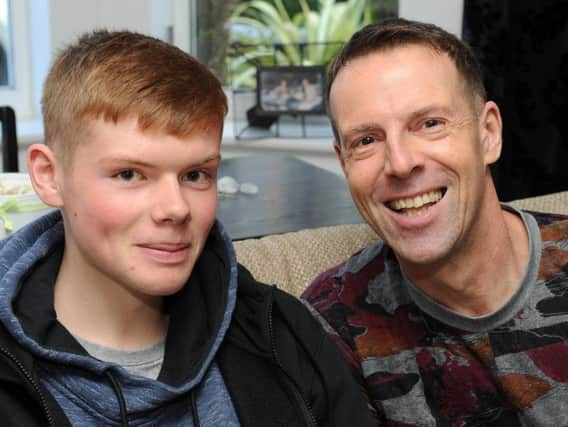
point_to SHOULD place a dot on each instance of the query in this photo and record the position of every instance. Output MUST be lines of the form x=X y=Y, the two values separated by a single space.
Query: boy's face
x=138 y=205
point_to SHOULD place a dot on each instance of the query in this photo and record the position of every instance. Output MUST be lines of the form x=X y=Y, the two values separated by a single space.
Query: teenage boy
x=127 y=306
x=458 y=316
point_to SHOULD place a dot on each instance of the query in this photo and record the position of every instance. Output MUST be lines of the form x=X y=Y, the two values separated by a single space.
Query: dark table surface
x=293 y=195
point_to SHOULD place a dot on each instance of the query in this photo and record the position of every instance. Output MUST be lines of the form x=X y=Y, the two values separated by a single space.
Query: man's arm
x=320 y=298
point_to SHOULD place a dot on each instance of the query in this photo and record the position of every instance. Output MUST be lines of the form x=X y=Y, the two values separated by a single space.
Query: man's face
x=413 y=149
x=138 y=205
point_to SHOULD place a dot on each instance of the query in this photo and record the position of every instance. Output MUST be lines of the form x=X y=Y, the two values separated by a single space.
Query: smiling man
x=456 y=316
x=127 y=305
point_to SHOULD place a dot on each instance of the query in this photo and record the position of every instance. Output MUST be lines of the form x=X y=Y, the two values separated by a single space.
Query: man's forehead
x=378 y=56
x=410 y=65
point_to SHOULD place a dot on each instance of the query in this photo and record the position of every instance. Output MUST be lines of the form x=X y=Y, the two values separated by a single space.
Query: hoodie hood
x=200 y=315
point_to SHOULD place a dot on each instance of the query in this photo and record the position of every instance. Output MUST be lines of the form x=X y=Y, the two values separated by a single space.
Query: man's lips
x=416 y=202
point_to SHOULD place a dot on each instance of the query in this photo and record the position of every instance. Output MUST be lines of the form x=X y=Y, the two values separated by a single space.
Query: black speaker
x=9 y=140
x=260 y=120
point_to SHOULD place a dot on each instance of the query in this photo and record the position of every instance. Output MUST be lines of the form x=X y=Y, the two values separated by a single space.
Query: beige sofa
x=292 y=260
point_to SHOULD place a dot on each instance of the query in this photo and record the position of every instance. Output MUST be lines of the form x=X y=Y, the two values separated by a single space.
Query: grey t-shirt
x=504 y=313
x=145 y=362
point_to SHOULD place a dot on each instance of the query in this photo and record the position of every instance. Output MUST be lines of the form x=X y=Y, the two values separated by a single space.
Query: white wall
x=69 y=18
x=446 y=14
x=57 y=23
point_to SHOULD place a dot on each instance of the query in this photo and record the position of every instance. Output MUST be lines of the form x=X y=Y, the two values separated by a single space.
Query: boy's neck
x=103 y=312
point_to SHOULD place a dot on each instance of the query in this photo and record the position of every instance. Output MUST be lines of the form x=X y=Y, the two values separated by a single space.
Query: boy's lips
x=169 y=253
x=164 y=246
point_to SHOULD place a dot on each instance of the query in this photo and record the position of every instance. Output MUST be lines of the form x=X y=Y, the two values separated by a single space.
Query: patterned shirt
x=421 y=364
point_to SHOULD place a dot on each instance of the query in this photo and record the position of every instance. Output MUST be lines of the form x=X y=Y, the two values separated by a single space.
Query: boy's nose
x=170 y=203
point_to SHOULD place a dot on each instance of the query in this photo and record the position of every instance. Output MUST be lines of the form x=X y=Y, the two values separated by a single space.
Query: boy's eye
x=199 y=179
x=194 y=176
x=128 y=175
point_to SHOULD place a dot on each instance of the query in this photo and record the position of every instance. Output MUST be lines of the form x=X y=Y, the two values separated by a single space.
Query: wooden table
x=293 y=195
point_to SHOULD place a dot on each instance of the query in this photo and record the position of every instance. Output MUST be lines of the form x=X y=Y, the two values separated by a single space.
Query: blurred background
x=522 y=45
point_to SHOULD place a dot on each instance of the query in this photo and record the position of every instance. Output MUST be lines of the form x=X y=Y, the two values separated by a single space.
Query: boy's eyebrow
x=215 y=157
x=141 y=163
x=125 y=159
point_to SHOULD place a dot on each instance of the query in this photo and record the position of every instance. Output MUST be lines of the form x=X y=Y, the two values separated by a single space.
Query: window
x=5 y=46
x=236 y=36
x=16 y=90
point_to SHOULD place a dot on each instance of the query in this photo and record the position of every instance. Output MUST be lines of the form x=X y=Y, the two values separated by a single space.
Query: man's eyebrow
x=361 y=128
x=430 y=109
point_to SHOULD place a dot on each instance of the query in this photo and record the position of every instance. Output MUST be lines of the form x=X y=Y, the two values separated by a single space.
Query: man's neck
x=92 y=307
x=480 y=279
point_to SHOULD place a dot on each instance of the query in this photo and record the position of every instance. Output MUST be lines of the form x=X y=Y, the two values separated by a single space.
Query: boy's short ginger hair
x=110 y=75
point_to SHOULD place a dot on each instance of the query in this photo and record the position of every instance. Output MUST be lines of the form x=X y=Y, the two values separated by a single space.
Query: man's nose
x=170 y=203
x=401 y=157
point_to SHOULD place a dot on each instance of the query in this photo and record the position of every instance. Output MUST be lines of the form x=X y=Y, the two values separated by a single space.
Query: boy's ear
x=42 y=170
x=491 y=128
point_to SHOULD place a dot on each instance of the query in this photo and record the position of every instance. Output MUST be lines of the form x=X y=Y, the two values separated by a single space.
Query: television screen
x=291 y=89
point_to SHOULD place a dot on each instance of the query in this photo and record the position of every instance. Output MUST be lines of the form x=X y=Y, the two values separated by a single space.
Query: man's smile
x=411 y=206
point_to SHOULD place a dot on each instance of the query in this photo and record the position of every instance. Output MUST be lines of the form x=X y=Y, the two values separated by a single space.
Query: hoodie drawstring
x=194 y=413
x=120 y=398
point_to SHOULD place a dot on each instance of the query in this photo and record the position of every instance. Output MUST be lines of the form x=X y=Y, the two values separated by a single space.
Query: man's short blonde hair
x=111 y=75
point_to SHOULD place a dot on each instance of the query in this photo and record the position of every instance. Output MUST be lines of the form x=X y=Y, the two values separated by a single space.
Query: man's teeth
x=416 y=202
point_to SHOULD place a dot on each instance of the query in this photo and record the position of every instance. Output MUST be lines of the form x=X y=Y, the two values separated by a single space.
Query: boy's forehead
x=94 y=126
x=106 y=136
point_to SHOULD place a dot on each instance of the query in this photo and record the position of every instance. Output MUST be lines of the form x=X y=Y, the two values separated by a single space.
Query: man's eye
x=366 y=140
x=430 y=123
x=128 y=175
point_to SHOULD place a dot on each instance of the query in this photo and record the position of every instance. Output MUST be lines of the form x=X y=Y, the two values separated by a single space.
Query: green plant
x=309 y=37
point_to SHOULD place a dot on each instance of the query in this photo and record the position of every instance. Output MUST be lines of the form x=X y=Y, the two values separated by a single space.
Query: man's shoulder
x=353 y=275
x=554 y=257
x=553 y=227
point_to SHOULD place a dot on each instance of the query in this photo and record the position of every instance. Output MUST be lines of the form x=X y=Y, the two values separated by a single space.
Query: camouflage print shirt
x=421 y=364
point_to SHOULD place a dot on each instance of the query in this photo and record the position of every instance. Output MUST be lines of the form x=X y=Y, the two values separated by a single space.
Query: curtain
x=523 y=49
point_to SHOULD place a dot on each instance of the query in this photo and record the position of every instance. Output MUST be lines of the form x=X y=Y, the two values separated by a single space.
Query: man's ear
x=42 y=166
x=491 y=128
x=337 y=149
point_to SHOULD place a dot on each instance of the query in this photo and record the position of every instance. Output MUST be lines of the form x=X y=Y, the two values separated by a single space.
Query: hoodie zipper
x=306 y=409
x=33 y=383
